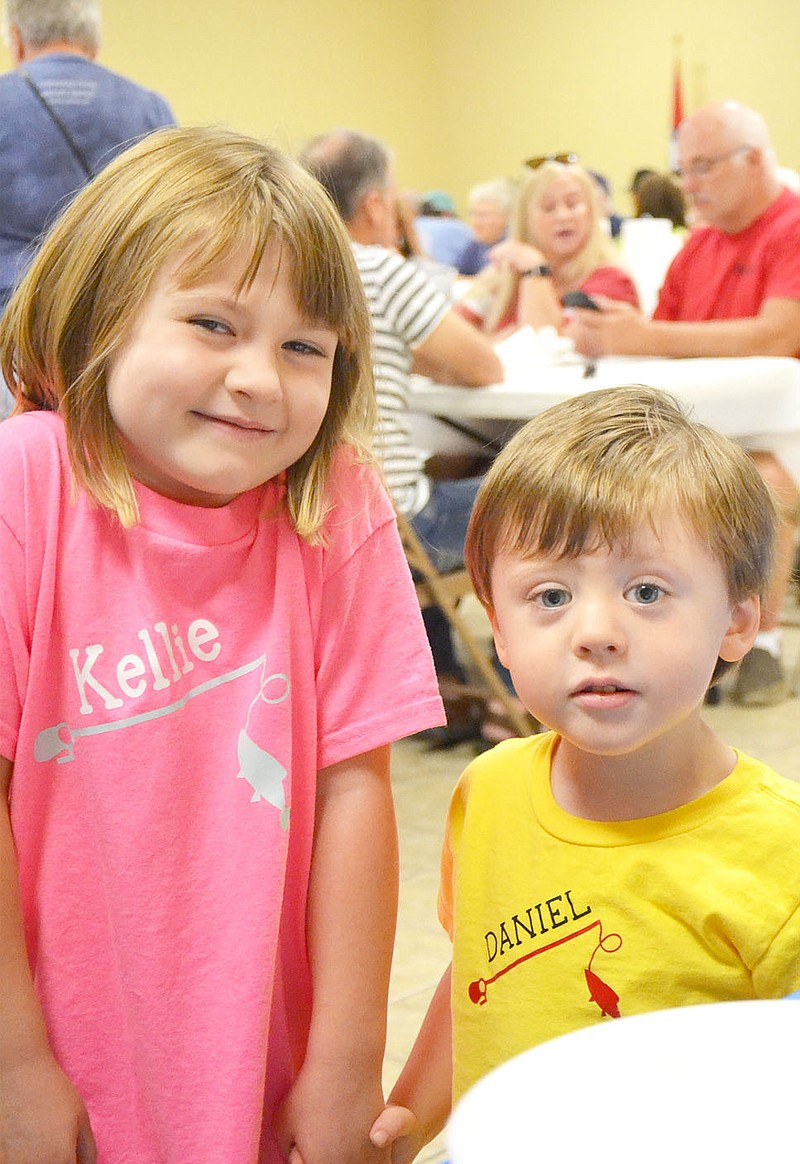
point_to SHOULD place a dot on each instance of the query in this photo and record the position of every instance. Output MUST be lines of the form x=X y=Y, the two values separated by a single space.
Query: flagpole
x=677 y=99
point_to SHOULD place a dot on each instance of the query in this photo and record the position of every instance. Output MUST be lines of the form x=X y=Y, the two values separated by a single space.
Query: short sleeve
x=782 y=270
x=31 y=481
x=375 y=676
x=778 y=972
x=411 y=303
x=612 y=282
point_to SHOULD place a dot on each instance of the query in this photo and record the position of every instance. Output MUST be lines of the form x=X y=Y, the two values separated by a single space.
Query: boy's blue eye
x=646 y=593
x=553 y=597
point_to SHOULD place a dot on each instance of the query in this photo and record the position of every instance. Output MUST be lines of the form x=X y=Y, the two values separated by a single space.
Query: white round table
x=715 y=1084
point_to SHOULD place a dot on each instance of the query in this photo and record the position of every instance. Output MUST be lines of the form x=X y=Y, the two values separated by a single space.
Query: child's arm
x=42 y=1118
x=420 y=1101
x=352 y=910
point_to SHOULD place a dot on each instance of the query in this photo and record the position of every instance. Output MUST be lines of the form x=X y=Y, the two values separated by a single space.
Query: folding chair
x=446 y=591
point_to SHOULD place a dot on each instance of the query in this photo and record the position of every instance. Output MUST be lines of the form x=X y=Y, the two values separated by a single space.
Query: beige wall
x=464 y=91
x=596 y=77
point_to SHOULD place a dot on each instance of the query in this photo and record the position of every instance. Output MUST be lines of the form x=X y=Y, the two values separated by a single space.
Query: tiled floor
x=423 y=782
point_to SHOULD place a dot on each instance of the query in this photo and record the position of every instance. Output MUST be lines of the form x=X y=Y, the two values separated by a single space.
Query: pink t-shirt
x=729 y=276
x=168 y=694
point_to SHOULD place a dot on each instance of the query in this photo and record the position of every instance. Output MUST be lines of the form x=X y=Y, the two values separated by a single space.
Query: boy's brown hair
x=586 y=472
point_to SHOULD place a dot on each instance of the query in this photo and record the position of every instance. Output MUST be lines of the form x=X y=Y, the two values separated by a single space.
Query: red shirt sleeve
x=612 y=282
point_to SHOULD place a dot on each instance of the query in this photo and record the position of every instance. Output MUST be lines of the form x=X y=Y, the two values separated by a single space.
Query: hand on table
x=616 y=329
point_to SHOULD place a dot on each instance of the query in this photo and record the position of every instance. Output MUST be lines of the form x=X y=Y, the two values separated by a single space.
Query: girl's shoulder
x=33 y=448
x=359 y=507
x=35 y=477
x=45 y=429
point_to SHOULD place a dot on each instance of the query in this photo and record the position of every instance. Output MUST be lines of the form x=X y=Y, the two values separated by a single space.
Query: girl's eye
x=214 y=326
x=645 y=593
x=303 y=348
x=553 y=597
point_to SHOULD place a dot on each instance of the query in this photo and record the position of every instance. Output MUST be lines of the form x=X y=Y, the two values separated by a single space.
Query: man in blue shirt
x=62 y=118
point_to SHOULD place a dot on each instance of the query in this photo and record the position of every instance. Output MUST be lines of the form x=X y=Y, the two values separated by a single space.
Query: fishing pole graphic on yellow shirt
x=600 y=992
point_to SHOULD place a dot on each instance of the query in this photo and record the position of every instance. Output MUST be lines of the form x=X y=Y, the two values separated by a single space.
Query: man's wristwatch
x=540 y=272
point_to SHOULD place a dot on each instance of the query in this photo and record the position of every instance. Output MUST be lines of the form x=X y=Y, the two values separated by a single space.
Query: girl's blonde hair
x=599 y=250
x=202 y=193
x=586 y=473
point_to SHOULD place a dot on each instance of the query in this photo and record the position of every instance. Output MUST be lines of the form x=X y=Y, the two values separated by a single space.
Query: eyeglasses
x=702 y=166
x=542 y=159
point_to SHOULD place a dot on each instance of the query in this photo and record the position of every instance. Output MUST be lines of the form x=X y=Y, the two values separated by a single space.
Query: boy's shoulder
x=515 y=762
x=779 y=794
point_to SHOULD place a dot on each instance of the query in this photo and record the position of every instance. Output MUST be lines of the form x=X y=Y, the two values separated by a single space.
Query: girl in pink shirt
x=208 y=640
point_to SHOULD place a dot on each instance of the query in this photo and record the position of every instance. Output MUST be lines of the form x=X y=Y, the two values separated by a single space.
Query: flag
x=677 y=111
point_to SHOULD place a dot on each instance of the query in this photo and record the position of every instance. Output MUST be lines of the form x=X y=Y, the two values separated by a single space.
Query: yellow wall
x=596 y=77
x=464 y=91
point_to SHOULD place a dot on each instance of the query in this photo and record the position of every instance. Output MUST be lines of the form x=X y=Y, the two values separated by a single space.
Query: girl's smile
x=218 y=388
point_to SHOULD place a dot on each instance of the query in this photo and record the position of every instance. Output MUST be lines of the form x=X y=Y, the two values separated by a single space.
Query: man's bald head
x=731 y=123
x=728 y=164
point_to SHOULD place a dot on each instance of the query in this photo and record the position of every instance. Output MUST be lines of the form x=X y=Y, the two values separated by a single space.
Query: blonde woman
x=557 y=246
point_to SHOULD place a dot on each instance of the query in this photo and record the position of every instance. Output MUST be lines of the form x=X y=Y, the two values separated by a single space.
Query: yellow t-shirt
x=559 y=922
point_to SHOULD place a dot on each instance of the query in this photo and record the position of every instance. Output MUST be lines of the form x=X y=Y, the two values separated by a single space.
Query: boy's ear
x=499 y=641
x=742 y=629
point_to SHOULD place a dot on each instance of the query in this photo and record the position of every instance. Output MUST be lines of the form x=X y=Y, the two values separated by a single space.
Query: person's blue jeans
x=442 y=528
x=442 y=524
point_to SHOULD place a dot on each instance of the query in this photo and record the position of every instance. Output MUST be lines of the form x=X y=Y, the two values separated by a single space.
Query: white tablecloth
x=755 y=399
x=696 y=1085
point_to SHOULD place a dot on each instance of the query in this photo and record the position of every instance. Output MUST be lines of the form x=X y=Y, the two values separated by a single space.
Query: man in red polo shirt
x=733 y=290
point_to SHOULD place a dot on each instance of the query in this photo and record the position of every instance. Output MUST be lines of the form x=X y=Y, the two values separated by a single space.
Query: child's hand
x=398 y=1127
x=326 y=1120
x=42 y=1117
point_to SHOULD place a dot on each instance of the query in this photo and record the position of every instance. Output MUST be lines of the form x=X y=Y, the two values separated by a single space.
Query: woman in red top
x=557 y=246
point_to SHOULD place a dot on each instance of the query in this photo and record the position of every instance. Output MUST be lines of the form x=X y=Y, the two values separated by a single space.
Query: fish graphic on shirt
x=264 y=774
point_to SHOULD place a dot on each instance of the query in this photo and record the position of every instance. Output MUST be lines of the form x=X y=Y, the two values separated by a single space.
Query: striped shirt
x=405 y=307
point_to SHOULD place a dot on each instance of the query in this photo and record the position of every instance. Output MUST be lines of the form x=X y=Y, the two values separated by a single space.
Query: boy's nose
x=598 y=630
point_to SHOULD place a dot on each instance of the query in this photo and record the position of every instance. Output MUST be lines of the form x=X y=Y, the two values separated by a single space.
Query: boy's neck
x=671 y=771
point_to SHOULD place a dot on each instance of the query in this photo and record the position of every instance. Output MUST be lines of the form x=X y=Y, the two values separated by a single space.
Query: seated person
x=490 y=206
x=732 y=290
x=658 y=196
x=414 y=328
x=638 y=177
x=557 y=245
x=444 y=236
x=613 y=219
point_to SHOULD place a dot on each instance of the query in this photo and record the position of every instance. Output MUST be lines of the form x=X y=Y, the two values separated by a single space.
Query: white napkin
x=529 y=348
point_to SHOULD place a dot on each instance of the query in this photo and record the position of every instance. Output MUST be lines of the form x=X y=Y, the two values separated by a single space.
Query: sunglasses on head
x=541 y=159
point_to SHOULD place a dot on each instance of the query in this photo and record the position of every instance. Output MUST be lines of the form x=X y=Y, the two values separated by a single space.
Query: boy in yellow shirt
x=628 y=859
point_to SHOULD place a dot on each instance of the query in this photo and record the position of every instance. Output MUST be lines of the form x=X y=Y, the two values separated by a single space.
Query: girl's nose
x=254 y=372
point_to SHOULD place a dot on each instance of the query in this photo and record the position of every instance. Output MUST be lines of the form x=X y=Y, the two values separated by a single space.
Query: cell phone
x=580 y=299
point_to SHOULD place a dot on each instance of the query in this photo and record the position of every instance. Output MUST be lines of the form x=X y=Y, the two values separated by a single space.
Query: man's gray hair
x=348 y=164
x=45 y=22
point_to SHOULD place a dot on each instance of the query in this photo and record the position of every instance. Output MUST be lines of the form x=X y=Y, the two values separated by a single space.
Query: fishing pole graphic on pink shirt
x=263 y=772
